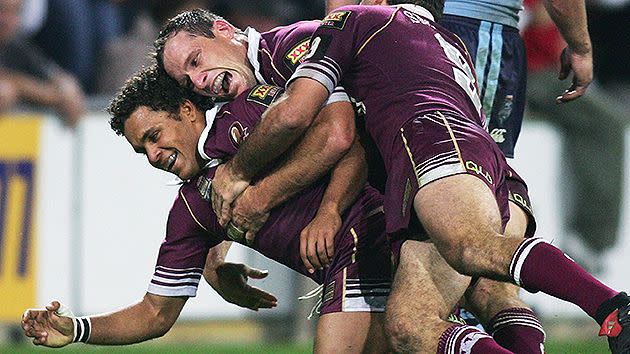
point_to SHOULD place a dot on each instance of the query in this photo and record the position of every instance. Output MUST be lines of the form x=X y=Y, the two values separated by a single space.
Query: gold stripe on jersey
x=413 y=163
x=191 y=212
x=450 y=132
x=375 y=33
x=274 y=67
x=355 y=238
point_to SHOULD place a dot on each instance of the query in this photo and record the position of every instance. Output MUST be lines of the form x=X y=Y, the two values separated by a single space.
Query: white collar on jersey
x=418 y=9
x=211 y=115
x=253 y=43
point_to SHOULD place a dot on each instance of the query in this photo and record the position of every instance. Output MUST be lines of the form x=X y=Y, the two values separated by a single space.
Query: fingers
x=256 y=273
x=263 y=299
x=303 y=252
x=574 y=92
x=249 y=237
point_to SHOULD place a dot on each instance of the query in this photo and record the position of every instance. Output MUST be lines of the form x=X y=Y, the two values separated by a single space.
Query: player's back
x=397 y=61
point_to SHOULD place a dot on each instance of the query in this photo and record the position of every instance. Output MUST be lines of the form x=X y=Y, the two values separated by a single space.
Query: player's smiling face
x=169 y=141
x=216 y=67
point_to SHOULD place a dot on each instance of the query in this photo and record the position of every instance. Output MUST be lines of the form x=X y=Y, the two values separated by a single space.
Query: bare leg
x=351 y=332
x=423 y=294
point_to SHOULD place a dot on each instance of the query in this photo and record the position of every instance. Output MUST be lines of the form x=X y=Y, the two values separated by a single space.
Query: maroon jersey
x=276 y=54
x=193 y=228
x=429 y=70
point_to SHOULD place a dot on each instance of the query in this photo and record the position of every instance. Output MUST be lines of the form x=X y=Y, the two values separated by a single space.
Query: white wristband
x=82 y=329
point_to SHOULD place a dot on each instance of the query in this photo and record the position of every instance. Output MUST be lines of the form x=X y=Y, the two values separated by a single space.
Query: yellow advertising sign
x=19 y=150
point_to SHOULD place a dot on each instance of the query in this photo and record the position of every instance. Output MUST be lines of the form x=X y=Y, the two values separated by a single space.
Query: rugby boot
x=617 y=328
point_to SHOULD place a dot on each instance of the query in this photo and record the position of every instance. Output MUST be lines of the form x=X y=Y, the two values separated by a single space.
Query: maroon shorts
x=520 y=196
x=360 y=274
x=434 y=146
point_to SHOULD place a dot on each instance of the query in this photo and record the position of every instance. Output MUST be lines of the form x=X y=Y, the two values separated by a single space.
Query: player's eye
x=154 y=137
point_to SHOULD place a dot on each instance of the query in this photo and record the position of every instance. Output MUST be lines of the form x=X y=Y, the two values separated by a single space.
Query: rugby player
x=158 y=120
x=424 y=113
x=282 y=50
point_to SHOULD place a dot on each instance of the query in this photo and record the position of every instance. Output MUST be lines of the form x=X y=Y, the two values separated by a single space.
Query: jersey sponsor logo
x=478 y=169
x=237 y=134
x=295 y=55
x=336 y=20
x=520 y=200
x=264 y=94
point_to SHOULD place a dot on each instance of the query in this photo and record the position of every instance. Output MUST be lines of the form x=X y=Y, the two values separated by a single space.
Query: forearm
x=150 y=318
x=347 y=180
x=281 y=125
x=570 y=18
x=323 y=145
x=216 y=257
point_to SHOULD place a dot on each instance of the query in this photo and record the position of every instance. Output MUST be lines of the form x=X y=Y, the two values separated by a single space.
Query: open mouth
x=221 y=84
x=171 y=161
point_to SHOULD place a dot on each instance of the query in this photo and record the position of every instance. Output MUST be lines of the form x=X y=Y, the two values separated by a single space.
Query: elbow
x=293 y=117
x=161 y=326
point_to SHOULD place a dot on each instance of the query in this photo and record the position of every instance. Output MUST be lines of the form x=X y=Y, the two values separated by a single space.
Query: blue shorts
x=500 y=62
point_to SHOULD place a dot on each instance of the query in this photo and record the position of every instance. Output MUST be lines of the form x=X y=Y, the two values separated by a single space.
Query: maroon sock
x=467 y=339
x=518 y=330
x=539 y=266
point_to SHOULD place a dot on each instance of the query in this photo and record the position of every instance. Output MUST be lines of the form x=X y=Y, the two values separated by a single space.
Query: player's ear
x=187 y=111
x=223 y=28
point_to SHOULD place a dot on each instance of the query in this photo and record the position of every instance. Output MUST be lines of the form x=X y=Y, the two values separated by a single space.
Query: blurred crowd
x=57 y=54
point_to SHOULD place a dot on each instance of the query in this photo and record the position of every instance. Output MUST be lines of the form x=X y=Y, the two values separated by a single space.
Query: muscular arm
x=324 y=144
x=346 y=182
x=151 y=317
x=570 y=18
x=282 y=124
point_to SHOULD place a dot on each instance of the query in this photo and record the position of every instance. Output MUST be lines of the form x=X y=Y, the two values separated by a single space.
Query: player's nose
x=153 y=155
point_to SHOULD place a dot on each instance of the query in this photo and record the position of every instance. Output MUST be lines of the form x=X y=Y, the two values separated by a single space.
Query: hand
x=582 y=67
x=71 y=101
x=248 y=214
x=47 y=326
x=317 y=240
x=230 y=281
x=226 y=186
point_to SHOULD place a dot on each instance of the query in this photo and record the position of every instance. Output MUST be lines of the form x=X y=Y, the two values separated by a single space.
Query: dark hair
x=198 y=22
x=151 y=87
x=435 y=7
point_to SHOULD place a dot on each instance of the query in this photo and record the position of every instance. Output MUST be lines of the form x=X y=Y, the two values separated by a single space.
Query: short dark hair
x=435 y=7
x=198 y=22
x=151 y=87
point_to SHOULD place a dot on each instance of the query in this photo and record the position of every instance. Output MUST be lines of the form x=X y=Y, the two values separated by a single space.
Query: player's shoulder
x=261 y=94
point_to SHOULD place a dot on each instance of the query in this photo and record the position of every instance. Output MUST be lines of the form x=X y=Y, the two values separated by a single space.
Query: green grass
x=552 y=347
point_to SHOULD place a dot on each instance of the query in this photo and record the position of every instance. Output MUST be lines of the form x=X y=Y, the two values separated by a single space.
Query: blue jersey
x=500 y=11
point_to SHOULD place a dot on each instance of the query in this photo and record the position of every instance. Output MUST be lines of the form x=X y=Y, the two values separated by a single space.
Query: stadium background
x=82 y=217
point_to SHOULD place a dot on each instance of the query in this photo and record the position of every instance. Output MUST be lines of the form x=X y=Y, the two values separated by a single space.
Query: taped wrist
x=82 y=329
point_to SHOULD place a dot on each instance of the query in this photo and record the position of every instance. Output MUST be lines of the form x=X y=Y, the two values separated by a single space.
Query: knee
x=403 y=334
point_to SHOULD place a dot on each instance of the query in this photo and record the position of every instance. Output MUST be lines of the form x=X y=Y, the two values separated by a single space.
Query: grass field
x=553 y=347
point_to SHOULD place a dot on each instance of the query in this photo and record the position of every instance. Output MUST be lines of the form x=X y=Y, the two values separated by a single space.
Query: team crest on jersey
x=237 y=134
x=336 y=20
x=264 y=94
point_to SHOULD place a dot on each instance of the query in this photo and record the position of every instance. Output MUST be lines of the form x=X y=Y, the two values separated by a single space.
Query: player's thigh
x=351 y=332
x=425 y=287
x=517 y=225
x=458 y=212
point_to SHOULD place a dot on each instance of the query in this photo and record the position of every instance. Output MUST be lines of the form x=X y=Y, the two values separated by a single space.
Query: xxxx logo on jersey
x=336 y=20
x=293 y=57
x=264 y=94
